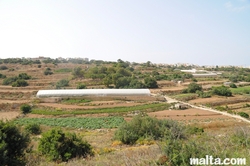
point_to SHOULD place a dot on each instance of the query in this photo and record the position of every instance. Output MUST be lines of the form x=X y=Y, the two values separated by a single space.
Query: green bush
x=193 y=87
x=241 y=137
x=12 y=144
x=150 y=82
x=24 y=76
x=243 y=114
x=62 y=83
x=179 y=152
x=195 y=130
x=81 y=86
x=203 y=94
x=60 y=146
x=47 y=71
x=19 y=83
x=3 y=67
x=33 y=128
x=221 y=91
x=148 y=127
x=9 y=80
x=25 y=108
x=232 y=85
x=2 y=76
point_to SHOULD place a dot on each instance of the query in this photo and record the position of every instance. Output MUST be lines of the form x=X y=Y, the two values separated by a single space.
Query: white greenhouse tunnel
x=92 y=92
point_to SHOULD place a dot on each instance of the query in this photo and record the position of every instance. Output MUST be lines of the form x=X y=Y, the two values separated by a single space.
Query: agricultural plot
x=142 y=108
x=241 y=90
x=188 y=115
x=71 y=122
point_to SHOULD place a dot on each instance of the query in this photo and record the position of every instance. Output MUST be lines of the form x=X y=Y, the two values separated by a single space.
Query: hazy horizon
x=162 y=31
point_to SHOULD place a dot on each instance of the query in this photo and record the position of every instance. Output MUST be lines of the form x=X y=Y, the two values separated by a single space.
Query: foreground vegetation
x=178 y=143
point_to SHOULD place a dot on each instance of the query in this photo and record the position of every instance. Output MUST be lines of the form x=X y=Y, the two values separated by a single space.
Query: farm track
x=207 y=109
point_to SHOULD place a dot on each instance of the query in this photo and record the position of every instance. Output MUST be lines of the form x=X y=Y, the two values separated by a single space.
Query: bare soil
x=187 y=114
x=9 y=115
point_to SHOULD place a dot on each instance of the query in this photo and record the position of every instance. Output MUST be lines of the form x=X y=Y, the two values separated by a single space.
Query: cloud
x=239 y=8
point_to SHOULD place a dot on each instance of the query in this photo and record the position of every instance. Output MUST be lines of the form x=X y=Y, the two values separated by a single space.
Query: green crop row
x=63 y=70
x=75 y=101
x=73 y=122
x=145 y=108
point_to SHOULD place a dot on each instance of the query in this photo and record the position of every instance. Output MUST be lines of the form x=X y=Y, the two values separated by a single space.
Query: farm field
x=97 y=118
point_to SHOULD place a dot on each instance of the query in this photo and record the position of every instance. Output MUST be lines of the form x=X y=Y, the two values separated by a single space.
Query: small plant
x=25 y=108
x=243 y=114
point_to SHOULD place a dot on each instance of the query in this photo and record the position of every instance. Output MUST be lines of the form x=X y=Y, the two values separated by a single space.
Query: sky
x=201 y=32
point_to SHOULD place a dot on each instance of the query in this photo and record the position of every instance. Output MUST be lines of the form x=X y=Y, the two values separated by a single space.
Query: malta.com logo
x=210 y=160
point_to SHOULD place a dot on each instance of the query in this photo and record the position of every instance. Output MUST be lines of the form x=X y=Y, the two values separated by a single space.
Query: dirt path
x=170 y=100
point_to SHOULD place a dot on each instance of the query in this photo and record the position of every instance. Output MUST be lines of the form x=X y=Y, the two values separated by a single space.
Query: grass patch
x=73 y=122
x=63 y=70
x=146 y=108
x=241 y=90
x=186 y=96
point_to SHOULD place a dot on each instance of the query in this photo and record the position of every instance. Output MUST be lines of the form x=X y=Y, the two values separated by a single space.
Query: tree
x=107 y=80
x=150 y=82
x=12 y=144
x=78 y=72
x=123 y=82
x=134 y=83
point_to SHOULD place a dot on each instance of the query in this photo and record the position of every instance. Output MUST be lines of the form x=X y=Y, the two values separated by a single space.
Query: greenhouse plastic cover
x=92 y=92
